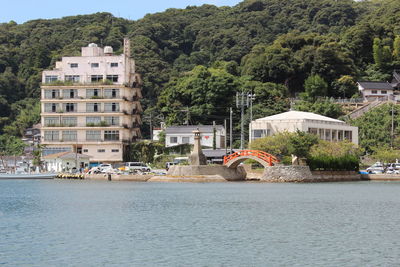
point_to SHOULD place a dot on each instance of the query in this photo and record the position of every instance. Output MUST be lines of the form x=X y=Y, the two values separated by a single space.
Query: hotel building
x=90 y=104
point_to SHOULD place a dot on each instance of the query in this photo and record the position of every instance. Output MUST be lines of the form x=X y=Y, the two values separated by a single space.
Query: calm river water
x=83 y=223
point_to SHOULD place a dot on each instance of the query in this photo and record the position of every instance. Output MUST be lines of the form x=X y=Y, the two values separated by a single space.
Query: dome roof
x=299 y=115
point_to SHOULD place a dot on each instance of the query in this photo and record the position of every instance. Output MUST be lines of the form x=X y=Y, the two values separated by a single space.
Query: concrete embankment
x=380 y=177
x=119 y=177
x=201 y=174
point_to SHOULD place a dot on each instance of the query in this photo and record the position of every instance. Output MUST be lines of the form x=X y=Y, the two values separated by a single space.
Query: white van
x=136 y=166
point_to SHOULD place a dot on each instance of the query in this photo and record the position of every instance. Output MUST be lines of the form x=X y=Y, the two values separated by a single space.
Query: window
x=96 y=78
x=53 y=150
x=51 y=94
x=111 y=107
x=51 y=121
x=348 y=135
x=327 y=134
x=74 y=65
x=94 y=65
x=50 y=78
x=115 y=150
x=93 y=135
x=374 y=92
x=70 y=107
x=101 y=150
x=70 y=93
x=111 y=93
x=50 y=107
x=113 y=78
x=111 y=135
x=185 y=140
x=92 y=93
x=69 y=121
x=114 y=64
x=340 y=135
x=112 y=120
x=93 y=120
x=313 y=131
x=69 y=135
x=51 y=136
x=72 y=78
x=93 y=107
x=384 y=92
x=85 y=150
x=173 y=139
x=258 y=133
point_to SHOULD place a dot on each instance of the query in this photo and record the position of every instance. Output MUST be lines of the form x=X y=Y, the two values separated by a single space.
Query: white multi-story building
x=178 y=135
x=90 y=104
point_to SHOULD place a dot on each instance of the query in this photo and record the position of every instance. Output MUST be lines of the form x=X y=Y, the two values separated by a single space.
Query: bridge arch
x=265 y=159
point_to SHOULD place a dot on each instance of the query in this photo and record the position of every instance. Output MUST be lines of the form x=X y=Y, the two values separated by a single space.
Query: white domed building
x=324 y=127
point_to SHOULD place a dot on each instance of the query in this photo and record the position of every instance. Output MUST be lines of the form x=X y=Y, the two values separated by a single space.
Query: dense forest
x=193 y=61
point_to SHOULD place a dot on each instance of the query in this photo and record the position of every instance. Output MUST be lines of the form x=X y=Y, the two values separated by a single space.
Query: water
x=83 y=223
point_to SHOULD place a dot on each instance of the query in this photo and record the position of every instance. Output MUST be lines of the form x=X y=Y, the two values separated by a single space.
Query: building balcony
x=82 y=141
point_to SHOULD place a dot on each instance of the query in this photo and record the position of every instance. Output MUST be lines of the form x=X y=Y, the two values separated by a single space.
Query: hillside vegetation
x=199 y=57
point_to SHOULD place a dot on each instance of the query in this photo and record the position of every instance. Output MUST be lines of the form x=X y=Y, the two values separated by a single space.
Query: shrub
x=332 y=163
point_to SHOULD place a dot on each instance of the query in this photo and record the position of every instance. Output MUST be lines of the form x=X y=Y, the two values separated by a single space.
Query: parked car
x=169 y=164
x=137 y=166
x=105 y=168
x=376 y=168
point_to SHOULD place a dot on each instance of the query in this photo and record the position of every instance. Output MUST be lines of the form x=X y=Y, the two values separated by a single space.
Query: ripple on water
x=81 y=223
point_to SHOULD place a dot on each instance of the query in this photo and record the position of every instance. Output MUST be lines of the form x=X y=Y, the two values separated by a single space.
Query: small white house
x=178 y=135
x=371 y=91
x=65 y=161
x=326 y=128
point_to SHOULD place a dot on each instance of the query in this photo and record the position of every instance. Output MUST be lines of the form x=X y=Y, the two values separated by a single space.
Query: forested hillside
x=199 y=57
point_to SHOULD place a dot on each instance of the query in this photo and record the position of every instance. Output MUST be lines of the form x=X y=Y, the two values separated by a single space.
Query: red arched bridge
x=233 y=160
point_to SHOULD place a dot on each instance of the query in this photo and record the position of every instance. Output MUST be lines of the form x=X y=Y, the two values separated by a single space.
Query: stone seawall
x=285 y=174
x=201 y=173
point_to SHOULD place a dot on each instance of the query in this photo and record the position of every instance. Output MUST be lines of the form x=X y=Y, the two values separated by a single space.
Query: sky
x=21 y=11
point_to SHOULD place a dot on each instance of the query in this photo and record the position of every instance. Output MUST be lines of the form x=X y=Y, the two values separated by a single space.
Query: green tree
x=300 y=143
x=396 y=48
x=385 y=154
x=315 y=86
x=378 y=53
x=346 y=86
x=323 y=107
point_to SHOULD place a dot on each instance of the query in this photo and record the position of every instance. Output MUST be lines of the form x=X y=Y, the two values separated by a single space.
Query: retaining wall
x=289 y=174
x=119 y=177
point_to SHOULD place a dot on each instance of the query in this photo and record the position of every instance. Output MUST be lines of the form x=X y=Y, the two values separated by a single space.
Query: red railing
x=270 y=159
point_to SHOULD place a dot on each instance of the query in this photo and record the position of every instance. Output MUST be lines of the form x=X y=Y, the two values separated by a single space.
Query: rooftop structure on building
x=90 y=104
x=183 y=134
x=326 y=128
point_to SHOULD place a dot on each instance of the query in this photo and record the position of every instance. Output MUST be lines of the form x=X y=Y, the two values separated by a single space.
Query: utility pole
x=240 y=102
x=187 y=115
x=230 y=131
x=225 y=144
x=151 y=128
x=392 y=131
x=251 y=96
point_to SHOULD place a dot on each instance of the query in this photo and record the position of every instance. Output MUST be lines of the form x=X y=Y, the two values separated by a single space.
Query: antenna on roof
x=291 y=104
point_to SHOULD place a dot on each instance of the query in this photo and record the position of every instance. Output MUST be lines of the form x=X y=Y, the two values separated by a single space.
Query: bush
x=332 y=163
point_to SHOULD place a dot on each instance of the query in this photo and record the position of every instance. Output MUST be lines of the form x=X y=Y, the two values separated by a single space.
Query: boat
x=4 y=176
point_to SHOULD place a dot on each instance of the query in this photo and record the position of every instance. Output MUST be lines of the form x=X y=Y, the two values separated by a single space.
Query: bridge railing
x=270 y=159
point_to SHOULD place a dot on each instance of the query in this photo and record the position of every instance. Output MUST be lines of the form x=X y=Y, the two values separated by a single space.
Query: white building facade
x=90 y=104
x=324 y=127
x=178 y=135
